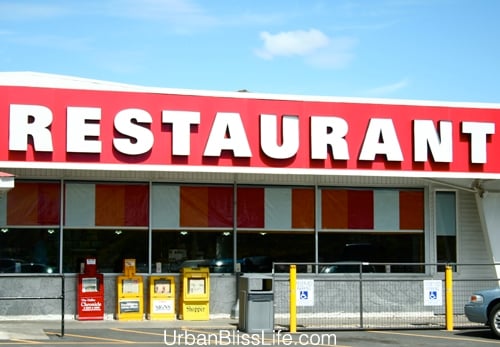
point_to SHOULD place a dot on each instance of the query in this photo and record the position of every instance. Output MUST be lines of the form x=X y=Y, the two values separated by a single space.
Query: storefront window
x=380 y=225
x=199 y=225
x=108 y=246
x=173 y=250
x=29 y=250
x=446 y=229
x=392 y=249
x=258 y=250
x=29 y=235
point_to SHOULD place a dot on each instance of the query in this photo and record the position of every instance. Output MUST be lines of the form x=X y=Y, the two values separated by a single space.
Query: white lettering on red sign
x=192 y=130
x=381 y=138
x=228 y=133
x=269 y=139
x=181 y=129
x=478 y=139
x=329 y=135
x=30 y=121
x=139 y=138
x=83 y=130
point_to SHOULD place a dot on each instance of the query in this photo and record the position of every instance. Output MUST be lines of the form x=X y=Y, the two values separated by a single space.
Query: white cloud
x=183 y=16
x=338 y=54
x=292 y=43
x=389 y=88
x=25 y=11
x=314 y=46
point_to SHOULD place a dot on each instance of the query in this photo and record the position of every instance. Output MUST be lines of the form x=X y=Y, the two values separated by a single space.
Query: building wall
x=471 y=251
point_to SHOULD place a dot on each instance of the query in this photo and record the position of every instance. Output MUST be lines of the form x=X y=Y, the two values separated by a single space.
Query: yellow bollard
x=293 y=298
x=448 y=283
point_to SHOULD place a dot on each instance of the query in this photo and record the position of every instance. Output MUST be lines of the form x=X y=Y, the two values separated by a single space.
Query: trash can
x=256 y=296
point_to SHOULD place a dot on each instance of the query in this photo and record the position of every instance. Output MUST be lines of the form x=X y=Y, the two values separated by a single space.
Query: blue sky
x=447 y=50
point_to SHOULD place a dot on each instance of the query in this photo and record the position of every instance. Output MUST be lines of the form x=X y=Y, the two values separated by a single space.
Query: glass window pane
x=29 y=250
x=258 y=250
x=177 y=249
x=447 y=249
x=446 y=213
x=446 y=228
x=109 y=247
x=375 y=248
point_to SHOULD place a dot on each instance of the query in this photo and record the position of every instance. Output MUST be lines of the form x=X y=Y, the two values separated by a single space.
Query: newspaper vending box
x=90 y=292
x=195 y=294
x=130 y=305
x=161 y=297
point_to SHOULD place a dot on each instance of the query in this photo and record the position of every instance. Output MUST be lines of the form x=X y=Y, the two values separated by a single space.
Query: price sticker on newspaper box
x=305 y=292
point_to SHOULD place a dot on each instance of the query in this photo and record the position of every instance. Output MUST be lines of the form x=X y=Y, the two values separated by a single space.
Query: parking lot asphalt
x=223 y=332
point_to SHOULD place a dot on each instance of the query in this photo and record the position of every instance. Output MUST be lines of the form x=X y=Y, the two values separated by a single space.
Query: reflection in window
x=374 y=248
x=193 y=225
x=258 y=250
x=108 y=246
x=187 y=248
x=29 y=250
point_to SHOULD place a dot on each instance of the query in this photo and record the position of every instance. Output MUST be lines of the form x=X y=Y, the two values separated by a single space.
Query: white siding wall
x=472 y=248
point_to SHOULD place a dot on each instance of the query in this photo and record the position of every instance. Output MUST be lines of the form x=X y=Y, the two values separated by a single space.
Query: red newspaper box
x=90 y=292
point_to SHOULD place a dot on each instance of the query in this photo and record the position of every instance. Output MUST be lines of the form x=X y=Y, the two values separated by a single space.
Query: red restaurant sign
x=50 y=127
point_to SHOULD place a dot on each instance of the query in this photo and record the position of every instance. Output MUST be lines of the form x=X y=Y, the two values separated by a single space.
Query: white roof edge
x=249 y=170
x=46 y=80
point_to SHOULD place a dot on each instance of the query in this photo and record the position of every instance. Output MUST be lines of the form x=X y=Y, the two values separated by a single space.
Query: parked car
x=484 y=307
x=353 y=258
x=36 y=268
x=258 y=263
x=10 y=264
x=347 y=267
x=221 y=265
x=195 y=263
x=359 y=252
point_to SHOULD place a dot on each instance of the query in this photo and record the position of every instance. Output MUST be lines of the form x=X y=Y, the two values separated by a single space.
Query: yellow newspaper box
x=195 y=294
x=130 y=297
x=161 y=297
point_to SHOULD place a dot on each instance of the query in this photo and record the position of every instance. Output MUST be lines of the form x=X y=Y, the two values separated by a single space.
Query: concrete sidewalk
x=34 y=330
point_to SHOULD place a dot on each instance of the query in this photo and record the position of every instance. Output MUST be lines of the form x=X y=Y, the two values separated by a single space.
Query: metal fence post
x=63 y=296
x=361 y=296
x=449 y=297
x=293 y=298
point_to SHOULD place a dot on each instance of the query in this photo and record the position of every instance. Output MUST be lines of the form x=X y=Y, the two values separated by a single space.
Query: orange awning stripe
x=303 y=206
x=34 y=204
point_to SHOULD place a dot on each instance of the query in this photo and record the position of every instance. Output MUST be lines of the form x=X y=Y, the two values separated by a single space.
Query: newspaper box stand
x=161 y=297
x=195 y=294
x=90 y=292
x=130 y=305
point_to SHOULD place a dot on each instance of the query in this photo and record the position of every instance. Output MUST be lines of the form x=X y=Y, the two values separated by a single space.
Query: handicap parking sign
x=433 y=293
x=303 y=295
x=305 y=292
